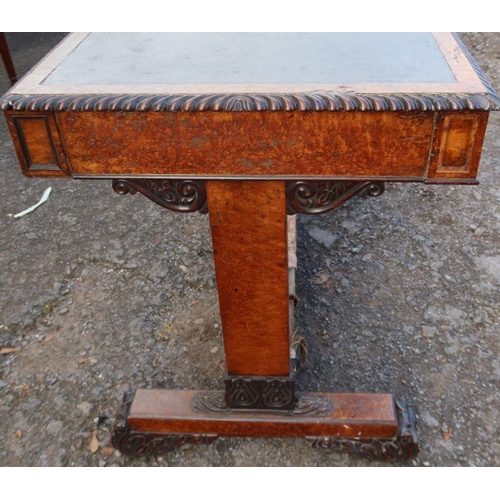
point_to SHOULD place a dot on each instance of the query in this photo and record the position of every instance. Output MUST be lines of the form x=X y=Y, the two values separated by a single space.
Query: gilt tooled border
x=310 y=101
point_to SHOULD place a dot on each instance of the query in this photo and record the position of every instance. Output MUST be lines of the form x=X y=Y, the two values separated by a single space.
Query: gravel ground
x=100 y=293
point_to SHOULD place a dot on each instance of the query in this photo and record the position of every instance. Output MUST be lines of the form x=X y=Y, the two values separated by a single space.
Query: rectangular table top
x=409 y=107
x=262 y=63
x=325 y=59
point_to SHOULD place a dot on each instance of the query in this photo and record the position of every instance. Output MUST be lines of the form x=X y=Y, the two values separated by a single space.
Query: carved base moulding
x=403 y=447
x=375 y=426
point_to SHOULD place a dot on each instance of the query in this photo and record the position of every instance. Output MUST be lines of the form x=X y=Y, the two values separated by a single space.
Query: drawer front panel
x=247 y=144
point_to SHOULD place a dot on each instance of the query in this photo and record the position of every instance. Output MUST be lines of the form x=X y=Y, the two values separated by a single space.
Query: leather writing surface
x=239 y=58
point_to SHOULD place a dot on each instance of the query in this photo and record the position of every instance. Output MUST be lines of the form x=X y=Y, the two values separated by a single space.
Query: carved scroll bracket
x=177 y=195
x=401 y=448
x=318 y=197
x=304 y=196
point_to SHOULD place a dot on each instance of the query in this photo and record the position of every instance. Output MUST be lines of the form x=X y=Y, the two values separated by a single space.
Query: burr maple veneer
x=254 y=128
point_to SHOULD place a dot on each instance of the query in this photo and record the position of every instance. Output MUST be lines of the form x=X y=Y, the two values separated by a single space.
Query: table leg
x=7 y=60
x=249 y=233
x=249 y=236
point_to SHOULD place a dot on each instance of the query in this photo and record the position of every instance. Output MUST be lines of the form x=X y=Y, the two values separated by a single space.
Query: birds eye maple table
x=253 y=128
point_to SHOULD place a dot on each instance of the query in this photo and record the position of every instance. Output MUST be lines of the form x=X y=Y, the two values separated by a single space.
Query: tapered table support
x=252 y=236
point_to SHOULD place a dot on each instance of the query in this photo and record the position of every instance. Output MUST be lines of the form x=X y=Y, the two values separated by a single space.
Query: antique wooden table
x=253 y=128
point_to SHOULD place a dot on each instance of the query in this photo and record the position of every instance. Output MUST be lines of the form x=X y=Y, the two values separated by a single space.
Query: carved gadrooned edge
x=314 y=405
x=493 y=97
x=402 y=448
x=307 y=101
x=178 y=195
x=260 y=393
x=144 y=444
x=318 y=197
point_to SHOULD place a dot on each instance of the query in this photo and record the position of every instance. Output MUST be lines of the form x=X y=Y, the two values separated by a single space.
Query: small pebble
x=85 y=407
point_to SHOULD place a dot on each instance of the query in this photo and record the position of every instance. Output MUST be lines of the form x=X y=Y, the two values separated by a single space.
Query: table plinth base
x=376 y=426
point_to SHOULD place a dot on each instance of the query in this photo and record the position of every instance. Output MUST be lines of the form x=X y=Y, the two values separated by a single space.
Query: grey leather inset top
x=253 y=58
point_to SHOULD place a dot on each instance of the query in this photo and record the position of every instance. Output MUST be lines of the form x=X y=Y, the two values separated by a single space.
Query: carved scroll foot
x=145 y=444
x=401 y=448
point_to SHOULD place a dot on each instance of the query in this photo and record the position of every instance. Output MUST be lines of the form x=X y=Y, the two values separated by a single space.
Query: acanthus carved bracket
x=177 y=195
x=303 y=196
x=318 y=197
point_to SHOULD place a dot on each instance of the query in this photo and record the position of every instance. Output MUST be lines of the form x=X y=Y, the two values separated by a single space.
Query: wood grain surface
x=247 y=144
x=249 y=236
x=457 y=145
x=351 y=415
x=437 y=147
x=38 y=145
